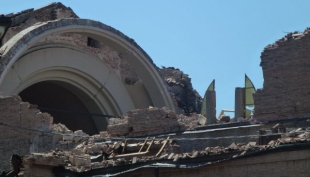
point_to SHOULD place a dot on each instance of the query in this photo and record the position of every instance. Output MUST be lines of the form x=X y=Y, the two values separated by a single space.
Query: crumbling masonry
x=153 y=127
x=15 y=113
x=286 y=72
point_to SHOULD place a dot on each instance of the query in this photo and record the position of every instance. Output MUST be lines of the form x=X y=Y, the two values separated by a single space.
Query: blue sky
x=207 y=39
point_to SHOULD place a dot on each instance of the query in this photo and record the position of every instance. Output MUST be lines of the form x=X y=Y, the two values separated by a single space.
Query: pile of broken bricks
x=144 y=122
x=66 y=134
x=92 y=154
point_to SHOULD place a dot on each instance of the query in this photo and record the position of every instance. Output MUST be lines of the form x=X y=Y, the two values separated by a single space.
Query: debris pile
x=61 y=128
x=143 y=122
x=192 y=120
x=224 y=119
x=68 y=135
x=94 y=154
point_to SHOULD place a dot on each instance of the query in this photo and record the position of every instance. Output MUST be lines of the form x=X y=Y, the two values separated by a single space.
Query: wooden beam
x=124 y=148
x=143 y=144
x=161 y=149
x=129 y=155
x=150 y=144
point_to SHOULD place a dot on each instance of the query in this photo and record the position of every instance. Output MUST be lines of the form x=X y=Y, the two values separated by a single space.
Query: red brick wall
x=286 y=71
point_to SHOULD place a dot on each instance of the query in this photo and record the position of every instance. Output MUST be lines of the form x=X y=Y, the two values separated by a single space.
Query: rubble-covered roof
x=93 y=158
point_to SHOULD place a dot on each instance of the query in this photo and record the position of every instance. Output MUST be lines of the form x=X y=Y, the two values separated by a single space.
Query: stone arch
x=25 y=62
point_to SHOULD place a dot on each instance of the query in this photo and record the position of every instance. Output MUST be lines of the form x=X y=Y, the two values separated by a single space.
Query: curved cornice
x=144 y=65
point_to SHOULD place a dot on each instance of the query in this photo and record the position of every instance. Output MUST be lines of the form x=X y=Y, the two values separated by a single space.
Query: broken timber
x=143 y=144
x=161 y=149
x=137 y=154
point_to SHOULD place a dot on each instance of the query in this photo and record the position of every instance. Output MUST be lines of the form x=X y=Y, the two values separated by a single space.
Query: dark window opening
x=62 y=104
x=93 y=43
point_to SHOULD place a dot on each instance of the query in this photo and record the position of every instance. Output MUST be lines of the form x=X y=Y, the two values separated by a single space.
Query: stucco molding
x=16 y=46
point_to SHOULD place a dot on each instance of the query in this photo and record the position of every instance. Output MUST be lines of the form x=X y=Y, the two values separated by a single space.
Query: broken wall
x=178 y=84
x=150 y=121
x=18 y=121
x=53 y=11
x=286 y=71
x=180 y=87
x=29 y=17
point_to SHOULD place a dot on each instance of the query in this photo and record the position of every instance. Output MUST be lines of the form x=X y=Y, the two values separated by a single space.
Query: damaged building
x=80 y=98
x=286 y=79
x=91 y=68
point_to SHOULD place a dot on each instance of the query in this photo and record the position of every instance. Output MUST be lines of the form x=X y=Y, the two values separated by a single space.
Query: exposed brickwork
x=143 y=122
x=27 y=18
x=16 y=113
x=57 y=11
x=180 y=87
x=286 y=73
x=114 y=60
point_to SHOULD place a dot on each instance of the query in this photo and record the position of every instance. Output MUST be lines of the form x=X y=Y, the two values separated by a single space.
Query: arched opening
x=29 y=60
x=29 y=41
x=63 y=102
